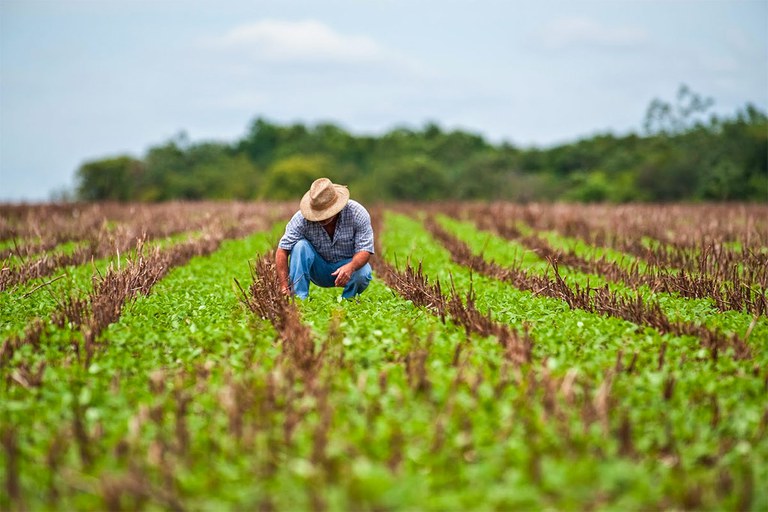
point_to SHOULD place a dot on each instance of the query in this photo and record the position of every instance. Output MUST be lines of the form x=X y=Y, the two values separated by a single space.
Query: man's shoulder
x=356 y=208
x=297 y=220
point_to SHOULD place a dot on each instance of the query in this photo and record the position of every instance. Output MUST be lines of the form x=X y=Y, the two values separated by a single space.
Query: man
x=329 y=241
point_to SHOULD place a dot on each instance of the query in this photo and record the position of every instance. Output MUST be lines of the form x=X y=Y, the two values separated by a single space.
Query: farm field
x=505 y=356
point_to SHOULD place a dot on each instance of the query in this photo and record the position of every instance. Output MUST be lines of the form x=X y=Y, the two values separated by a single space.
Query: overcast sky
x=86 y=79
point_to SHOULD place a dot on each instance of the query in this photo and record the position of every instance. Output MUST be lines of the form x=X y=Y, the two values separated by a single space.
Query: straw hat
x=324 y=200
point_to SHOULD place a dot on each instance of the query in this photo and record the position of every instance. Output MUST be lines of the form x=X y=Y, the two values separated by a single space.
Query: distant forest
x=683 y=153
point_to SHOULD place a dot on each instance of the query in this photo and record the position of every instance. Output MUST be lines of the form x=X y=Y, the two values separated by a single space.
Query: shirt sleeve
x=293 y=232
x=363 y=231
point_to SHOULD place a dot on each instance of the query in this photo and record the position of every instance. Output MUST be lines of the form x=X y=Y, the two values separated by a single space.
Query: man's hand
x=343 y=274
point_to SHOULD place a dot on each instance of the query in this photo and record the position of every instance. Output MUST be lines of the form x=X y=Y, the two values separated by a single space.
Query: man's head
x=324 y=200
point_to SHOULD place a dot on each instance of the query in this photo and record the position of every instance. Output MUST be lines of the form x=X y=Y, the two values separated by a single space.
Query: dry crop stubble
x=598 y=300
x=681 y=369
x=379 y=402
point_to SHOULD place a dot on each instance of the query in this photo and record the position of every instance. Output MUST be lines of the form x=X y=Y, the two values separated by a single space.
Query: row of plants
x=591 y=293
x=680 y=225
x=31 y=228
x=178 y=404
x=114 y=230
x=735 y=279
x=213 y=391
x=673 y=366
x=448 y=453
x=678 y=305
x=103 y=304
x=736 y=292
x=721 y=241
x=66 y=421
x=694 y=477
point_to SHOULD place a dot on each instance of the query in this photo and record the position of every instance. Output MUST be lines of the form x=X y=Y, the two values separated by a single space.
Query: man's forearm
x=281 y=264
x=359 y=260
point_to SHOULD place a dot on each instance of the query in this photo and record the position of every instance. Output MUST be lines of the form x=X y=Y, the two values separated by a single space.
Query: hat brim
x=342 y=197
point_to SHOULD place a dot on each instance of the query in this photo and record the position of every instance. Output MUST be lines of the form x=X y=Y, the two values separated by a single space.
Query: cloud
x=307 y=41
x=581 y=31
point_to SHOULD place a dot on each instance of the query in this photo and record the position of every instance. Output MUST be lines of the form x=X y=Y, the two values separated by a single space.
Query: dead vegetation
x=600 y=300
x=735 y=279
x=413 y=285
x=268 y=302
x=262 y=417
x=108 y=230
x=121 y=283
x=719 y=241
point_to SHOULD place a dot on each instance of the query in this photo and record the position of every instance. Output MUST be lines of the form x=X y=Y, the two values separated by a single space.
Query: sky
x=87 y=79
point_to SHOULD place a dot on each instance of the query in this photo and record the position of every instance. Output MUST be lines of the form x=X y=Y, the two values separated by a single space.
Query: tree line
x=683 y=153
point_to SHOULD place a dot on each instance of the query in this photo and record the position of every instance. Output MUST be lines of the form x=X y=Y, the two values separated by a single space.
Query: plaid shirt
x=353 y=234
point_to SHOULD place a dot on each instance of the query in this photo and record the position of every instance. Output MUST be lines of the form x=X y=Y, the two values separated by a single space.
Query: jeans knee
x=302 y=247
x=358 y=282
x=303 y=253
x=362 y=277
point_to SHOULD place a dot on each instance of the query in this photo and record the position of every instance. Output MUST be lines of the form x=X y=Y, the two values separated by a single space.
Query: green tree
x=260 y=143
x=487 y=175
x=108 y=179
x=291 y=177
x=665 y=118
x=681 y=156
x=417 y=178
x=163 y=165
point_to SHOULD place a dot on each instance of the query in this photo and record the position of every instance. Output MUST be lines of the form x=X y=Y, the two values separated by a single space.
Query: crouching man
x=327 y=242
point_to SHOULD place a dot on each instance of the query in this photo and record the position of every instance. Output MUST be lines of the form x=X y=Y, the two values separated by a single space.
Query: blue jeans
x=306 y=265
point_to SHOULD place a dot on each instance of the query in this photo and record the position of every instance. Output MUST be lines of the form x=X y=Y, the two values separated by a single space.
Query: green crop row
x=700 y=311
x=190 y=401
x=668 y=404
x=191 y=321
x=39 y=297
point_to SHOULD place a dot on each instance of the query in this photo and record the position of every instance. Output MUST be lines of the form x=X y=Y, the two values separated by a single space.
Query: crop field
x=505 y=356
